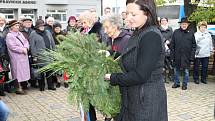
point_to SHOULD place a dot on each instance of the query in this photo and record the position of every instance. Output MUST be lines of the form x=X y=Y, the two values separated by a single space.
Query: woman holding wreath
x=141 y=82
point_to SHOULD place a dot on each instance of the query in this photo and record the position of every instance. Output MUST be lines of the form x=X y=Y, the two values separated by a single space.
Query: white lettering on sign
x=18 y=1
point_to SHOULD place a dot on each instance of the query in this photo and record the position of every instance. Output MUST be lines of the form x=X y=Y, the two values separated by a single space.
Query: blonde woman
x=204 y=50
x=91 y=25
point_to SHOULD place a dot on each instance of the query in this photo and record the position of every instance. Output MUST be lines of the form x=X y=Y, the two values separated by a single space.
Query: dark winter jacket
x=167 y=34
x=26 y=32
x=141 y=83
x=118 y=44
x=98 y=30
x=182 y=48
x=4 y=32
x=4 y=57
x=49 y=28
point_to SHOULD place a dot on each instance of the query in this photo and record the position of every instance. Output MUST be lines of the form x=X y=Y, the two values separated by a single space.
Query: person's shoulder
x=47 y=32
x=33 y=33
x=153 y=30
x=9 y=34
x=125 y=32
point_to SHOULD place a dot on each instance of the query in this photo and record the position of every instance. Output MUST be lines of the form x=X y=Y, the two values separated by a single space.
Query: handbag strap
x=20 y=40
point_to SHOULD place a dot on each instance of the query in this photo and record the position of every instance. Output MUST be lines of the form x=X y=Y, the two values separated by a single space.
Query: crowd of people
x=145 y=46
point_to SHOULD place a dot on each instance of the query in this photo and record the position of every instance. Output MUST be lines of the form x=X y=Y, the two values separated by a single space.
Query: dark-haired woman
x=141 y=82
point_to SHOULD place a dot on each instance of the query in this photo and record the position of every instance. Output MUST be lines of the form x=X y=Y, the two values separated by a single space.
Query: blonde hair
x=202 y=23
x=87 y=16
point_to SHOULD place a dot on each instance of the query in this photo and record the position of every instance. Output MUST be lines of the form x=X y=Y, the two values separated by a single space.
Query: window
x=9 y=14
x=28 y=12
x=115 y=10
x=59 y=15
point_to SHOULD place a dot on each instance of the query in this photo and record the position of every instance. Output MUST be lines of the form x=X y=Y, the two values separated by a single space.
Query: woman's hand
x=25 y=51
x=107 y=77
x=107 y=53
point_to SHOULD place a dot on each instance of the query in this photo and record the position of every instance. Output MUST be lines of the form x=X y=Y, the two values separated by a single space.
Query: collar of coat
x=185 y=31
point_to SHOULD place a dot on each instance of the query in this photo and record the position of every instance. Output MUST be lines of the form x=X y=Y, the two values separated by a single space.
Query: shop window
x=59 y=15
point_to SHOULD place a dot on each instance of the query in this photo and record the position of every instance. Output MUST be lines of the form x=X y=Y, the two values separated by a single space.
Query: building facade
x=117 y=6
x=59 y=9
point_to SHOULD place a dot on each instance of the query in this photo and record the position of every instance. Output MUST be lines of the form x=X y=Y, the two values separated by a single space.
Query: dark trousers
x=49 y=79
x=24 y=84
x=92 y=113
x=204 y=63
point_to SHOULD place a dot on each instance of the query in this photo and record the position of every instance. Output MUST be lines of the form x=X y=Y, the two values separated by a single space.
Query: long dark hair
x=149 y=8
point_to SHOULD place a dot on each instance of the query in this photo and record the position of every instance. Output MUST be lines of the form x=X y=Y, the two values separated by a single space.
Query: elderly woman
x=2 y=23
x=91 y=25
x=88 y=20
x=49 y=24
x=203 y=51
x=118 y=38
x=18 y=46
x=40 y=40
x=72 y=24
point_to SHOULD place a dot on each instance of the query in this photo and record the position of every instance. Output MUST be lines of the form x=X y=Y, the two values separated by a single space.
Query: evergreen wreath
x=78 y=55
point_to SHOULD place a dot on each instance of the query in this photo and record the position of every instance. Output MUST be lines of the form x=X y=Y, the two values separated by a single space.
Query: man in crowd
x=182 y=48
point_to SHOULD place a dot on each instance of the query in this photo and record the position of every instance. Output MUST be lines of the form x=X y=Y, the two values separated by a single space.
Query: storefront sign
x=18 y=1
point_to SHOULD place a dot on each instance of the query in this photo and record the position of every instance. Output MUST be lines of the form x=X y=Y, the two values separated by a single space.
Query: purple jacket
x=20 y=69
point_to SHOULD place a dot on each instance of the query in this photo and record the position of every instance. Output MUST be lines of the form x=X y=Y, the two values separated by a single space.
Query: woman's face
x=2 y=22
x=164 y=22
x=202 y=28
x=50 y=22
x=85 y=23
x=109 y=29
x=15 y=28
x=136 y=18
x=57 y=29
x=72 y=22
x=41 y=28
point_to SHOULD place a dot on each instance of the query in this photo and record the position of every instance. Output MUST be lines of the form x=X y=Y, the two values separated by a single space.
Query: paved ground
x=195 y=104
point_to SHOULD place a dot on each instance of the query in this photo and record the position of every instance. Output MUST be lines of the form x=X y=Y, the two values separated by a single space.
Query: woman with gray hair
x=3 y=29
x=118 y=37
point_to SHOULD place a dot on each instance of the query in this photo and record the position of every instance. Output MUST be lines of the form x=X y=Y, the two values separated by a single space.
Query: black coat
x=141 y=83
x=4 y=57
x=167 y=34
x=98 y=30
x=182 y=48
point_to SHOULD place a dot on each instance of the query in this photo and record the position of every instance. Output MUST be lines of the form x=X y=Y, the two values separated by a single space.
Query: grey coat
x=143 y=93
x=37 y=43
